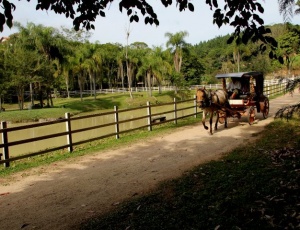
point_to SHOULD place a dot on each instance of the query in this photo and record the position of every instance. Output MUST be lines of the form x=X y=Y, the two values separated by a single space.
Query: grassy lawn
x=254 y=187
x=74 y=106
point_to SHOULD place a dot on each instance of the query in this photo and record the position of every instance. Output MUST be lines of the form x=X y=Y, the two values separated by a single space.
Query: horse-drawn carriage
x=249 y=99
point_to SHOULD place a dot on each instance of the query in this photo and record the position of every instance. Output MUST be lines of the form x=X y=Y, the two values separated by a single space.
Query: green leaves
x=134 y=18
x=191 y=7
x=7 y=16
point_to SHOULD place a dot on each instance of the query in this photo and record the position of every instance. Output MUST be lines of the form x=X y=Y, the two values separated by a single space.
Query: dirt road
x=61 y=195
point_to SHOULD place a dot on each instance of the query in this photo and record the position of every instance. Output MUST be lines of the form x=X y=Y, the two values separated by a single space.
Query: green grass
x=253 y=187
x=88 y=105
x=74 y=106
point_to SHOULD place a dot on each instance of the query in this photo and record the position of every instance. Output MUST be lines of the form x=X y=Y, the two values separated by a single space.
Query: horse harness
x=208 y=99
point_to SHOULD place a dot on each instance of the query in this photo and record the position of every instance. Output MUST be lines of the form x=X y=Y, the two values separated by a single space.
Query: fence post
x=117 y=122
x=195 y=105
x=5 y=142
x=175 y=111
x=68 y=129
x=149 y=116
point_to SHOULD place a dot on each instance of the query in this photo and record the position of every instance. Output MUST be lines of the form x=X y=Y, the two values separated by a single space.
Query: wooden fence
x=152 y=118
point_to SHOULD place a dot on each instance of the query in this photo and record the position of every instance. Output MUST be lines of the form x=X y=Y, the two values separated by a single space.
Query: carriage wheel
x=251 y=115
x=265 y=110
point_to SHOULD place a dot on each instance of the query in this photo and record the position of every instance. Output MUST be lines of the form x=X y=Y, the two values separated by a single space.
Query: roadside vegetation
x=256 y=186
x=62 y=62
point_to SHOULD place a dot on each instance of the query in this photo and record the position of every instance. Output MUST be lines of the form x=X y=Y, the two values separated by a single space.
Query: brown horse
x=213 y=102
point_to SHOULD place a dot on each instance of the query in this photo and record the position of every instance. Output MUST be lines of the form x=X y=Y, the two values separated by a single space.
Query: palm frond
x=286 y=8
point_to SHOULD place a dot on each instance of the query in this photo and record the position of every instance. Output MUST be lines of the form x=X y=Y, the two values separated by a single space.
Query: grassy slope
x=254 y=187
x=74 y=106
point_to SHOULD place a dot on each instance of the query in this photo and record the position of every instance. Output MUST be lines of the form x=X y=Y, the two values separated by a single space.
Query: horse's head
x=202 y=98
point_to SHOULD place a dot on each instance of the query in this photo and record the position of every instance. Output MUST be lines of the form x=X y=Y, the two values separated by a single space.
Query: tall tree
x=110 y=53
x=22 y=63
x=177 y=43
x=155 y=65
x=4 y=78
x=49 y=43
x=129 y=65
x=192 y=67
x=93 y=65
x=289 y=44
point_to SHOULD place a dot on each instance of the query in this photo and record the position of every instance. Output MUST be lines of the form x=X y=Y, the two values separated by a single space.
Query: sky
x=113 y=27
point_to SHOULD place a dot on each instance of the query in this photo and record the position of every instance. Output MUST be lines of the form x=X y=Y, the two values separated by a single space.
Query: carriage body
x=251 y=98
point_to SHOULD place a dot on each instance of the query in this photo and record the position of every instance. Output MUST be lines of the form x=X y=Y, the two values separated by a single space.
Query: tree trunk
x=1 y=104
x=49 y=98
x=149 y=83
x=91 y=84
x=41 y=95
x=129 y=78
x=94 y=85
x=159 y=87
x=80 y=86
x=21 y=97
x=67 y=86
x=31 y=94
x=122 y=77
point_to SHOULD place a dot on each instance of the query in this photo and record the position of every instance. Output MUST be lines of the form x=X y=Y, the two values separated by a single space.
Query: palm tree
x=161 y=67
x=21 y=63
x=111 y=55
x=177 y=43
x=48 y=43
x=155 y=65
x=146 y=70
x=128 y=64
x=93 y=64
x=286 y=8
x=297 y=11
x=80 y=68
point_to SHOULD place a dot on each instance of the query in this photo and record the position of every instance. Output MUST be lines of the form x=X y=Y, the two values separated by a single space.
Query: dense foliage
x=41 y=62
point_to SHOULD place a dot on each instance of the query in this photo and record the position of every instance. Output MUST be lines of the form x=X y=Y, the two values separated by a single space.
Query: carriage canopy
x=245 y=78
x=241 y=75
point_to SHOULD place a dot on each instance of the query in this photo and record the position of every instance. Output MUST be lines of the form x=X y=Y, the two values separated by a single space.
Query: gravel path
x=63 y=194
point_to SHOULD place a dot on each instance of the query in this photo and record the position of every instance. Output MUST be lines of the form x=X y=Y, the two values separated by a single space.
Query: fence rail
x=187 y=105
x=180 y=109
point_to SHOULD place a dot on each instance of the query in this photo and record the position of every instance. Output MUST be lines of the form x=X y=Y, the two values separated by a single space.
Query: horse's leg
x=217 y=120
x=225 y=125
x=210 y=122
x=203 y=119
